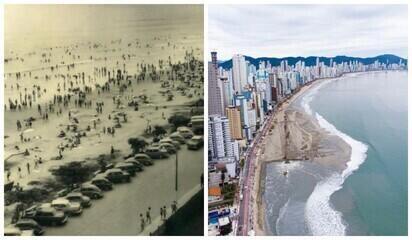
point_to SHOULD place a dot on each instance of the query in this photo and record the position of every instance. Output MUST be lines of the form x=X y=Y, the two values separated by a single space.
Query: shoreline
x=288 y=106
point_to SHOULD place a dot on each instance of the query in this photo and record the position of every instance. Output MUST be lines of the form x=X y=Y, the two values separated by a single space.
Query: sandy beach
x=295 y=136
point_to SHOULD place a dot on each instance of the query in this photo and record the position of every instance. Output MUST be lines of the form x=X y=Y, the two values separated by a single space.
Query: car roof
x=27 y=220
x=131 y=160
x=47 y=209
x=75 y=194
x=183 y=128
x=12 y=230
x=141 y=155
x=60 y=201
x=114 y=170
x=167 y=144
x=166 y=139
x=174 y=134
x=89 y=185
x=124 y=164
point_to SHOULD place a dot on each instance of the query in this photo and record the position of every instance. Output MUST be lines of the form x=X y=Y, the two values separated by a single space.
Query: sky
x=308 y=30
x=29 y=26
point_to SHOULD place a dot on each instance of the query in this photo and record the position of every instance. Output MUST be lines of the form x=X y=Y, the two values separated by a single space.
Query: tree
x=137 y=144
x=73 y=172
x=179 y=120
x=158 y=131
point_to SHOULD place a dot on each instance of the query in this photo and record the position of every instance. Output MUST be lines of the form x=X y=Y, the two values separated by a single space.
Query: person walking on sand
x=174 y=207
x=164 y=212
x=148 y=217
x=161 y=213
x=19 y=170
x=142 y=223
x=28 y=167
x=8 y=175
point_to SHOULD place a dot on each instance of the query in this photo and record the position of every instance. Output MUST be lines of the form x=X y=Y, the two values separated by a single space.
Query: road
x=245 y=214
x=117 y=213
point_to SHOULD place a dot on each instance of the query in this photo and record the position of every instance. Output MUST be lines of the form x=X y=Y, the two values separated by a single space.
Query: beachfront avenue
x=103 y=134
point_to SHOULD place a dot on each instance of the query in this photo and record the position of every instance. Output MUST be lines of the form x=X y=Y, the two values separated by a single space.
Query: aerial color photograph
x=103 y=120
x=307 y=120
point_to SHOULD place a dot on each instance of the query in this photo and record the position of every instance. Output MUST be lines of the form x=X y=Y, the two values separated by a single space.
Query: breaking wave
x=320 y=216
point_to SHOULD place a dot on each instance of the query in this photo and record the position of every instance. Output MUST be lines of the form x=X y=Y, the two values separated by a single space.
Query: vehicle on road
x=46 y=215
x=14 y=231
x=29 y=225
x=143 y=159
x=62 y=192
x=89 y=190
x=79 y=198
x=116 y=175
x=170 y=148
x=176 y=136
x=156 y=152
x=170 y=141
x=71 y=208
x=102 y=182
x=136 y=163
x=128 y=167
x=185 y=132
x=195 y=143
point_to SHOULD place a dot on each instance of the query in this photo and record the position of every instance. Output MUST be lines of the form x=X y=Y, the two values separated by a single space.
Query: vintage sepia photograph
x=103 y=120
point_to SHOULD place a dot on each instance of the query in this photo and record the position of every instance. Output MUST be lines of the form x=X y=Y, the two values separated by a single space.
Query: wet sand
x=301 y=140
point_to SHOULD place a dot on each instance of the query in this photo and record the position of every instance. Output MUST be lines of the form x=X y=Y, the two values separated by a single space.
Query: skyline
x=267 y=24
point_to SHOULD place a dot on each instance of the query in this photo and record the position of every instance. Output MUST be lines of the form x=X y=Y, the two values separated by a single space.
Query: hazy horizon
x=308 y=30
x=345 y=55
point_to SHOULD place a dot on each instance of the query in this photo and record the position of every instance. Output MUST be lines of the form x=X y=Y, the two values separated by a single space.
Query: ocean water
x=369 y=112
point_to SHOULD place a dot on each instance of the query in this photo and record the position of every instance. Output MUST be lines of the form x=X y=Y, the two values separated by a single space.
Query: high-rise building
x=239 y=69
x=233 y=114
x=215 y=104
x=219 y=139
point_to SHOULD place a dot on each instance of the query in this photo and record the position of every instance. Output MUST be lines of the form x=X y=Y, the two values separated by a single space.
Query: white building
x=239 y=69
x=220 y=143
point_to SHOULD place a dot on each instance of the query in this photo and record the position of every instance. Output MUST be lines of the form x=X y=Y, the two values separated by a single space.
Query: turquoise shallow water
x=372 y=108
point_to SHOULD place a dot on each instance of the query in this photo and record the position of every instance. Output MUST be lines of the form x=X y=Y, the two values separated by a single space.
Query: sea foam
x=321 y=217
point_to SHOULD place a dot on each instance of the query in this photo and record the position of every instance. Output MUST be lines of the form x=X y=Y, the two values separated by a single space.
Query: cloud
x=304 y=30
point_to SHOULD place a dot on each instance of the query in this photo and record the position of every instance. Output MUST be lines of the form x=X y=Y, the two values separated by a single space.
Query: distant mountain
x=311 y=61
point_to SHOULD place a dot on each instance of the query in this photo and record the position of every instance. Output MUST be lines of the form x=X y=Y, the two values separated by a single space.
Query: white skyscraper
x=220 y=143
x=239 y=69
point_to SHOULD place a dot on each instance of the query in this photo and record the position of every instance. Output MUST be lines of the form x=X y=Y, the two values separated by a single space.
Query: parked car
x=71 y=208
x=170 y=148
x=156 y=152
x=62 y=192
x=116 y=175
x=90 y=190
x=14 y=231
x=195 y=143
x=103 y=169
x=127 y=167
x=176 y=136
x=143 y=159
x=102 y=182
x=171 y=141
x=46 y=215
x=29 y=225
x=79 y=198
x=137 y=164
x=185 y=132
